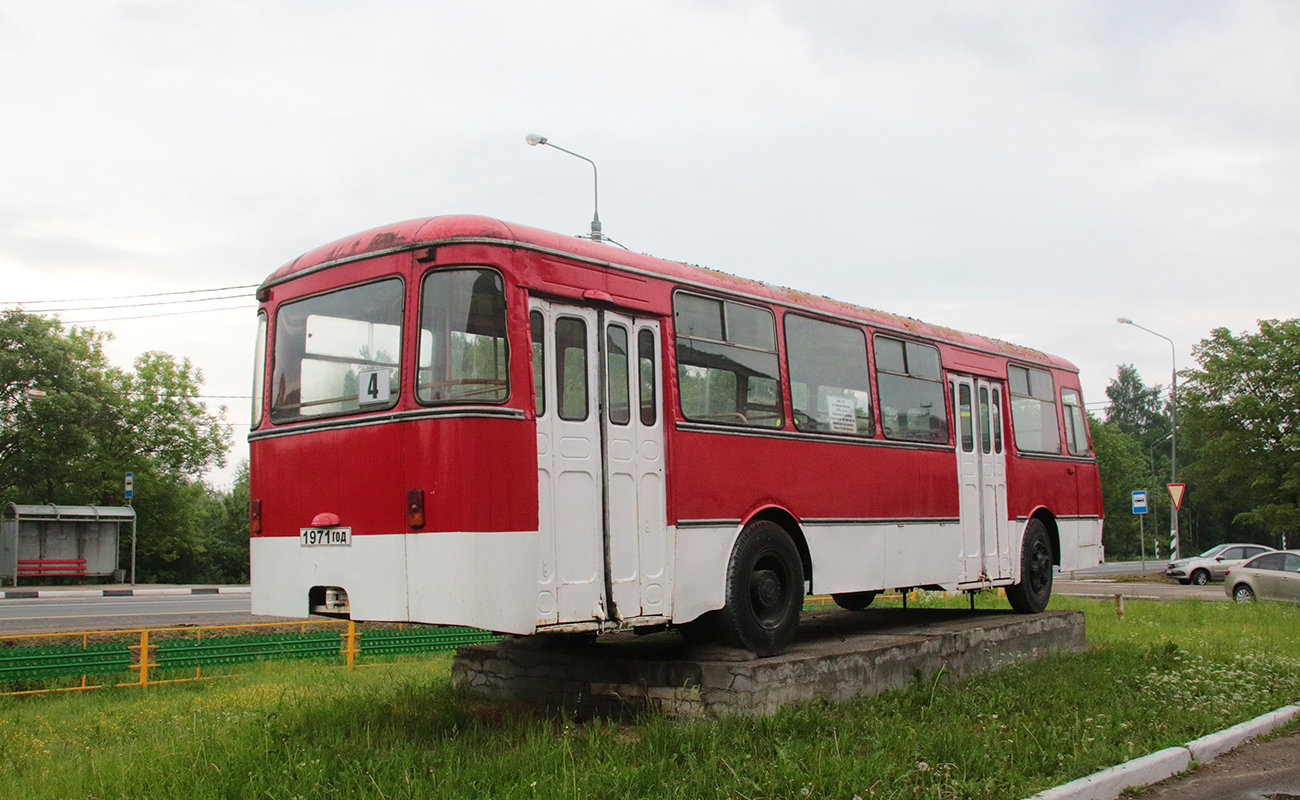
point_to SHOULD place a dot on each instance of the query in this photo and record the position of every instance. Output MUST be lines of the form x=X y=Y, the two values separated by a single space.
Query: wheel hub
x=765 y=589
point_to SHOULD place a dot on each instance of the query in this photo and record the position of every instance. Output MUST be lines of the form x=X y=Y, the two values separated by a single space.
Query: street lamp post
x=595 y=235
x=1173 y=433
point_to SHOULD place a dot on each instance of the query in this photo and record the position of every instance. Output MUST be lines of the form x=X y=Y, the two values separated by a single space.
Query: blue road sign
x=1140 y=502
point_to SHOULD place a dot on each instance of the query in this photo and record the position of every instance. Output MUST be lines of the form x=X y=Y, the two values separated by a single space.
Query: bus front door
x=982 y=470
x=604 y=552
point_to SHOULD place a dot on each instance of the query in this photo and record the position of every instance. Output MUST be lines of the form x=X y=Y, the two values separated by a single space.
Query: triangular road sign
x=1176 y=493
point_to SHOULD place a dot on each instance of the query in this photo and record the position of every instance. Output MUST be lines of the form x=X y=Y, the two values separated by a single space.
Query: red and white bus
x=462 y=421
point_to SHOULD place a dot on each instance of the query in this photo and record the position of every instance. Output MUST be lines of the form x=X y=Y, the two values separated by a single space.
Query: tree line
x=72 y=425
x=1238 y=446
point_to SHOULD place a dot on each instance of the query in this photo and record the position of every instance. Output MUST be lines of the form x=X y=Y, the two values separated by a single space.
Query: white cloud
x=1025 y=170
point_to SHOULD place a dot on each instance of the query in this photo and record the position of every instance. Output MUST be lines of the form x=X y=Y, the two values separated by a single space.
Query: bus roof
x=417 y=233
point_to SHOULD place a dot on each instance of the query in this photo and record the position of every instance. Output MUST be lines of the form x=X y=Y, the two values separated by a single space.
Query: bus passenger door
x=635 y=513
x=982 y=473
x=571 y=562
x=997 y=528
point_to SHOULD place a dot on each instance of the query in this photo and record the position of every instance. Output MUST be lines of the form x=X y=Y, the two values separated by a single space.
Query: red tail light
x=415 y=508
x=255 y=517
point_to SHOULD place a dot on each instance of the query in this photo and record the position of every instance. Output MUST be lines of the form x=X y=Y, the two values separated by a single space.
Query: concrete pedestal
x=836 y=655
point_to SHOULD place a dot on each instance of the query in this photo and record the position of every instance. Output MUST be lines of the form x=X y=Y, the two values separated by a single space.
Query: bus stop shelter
x=52 y=540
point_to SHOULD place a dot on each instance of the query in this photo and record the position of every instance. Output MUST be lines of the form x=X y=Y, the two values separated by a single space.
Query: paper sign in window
x=842 y=414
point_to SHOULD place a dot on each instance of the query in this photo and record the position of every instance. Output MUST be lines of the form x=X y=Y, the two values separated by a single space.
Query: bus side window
x=1033 y=410
x=727 y=368
x=538 y=327
x=910 y=383
x=830 y=388
x=965 y=419
x=996 y=410
x=1076 y=423
x=645 y=345
x=617 y=376
x=571 y=368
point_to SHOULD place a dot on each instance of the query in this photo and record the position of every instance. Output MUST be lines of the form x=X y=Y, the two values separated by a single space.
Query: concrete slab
x=836 y=655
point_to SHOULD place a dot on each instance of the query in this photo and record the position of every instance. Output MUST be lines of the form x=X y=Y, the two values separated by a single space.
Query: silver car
x=1272 y=576
x=1214 y=563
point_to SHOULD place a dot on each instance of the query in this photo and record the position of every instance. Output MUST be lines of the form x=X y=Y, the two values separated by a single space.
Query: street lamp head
x=534 y=140
x=1124 y=320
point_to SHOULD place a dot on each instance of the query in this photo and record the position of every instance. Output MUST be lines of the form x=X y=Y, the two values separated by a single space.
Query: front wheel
x=764 y=591
x=1030 y=596
x=1200 y=577
x=1243 y=594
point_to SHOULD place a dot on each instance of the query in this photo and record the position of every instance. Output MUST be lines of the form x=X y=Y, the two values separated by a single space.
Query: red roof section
x=430 y=230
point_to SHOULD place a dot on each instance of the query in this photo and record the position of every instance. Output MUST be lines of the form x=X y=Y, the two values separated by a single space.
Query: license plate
x=318 y=537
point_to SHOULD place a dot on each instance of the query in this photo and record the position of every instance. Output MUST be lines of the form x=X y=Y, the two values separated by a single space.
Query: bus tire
x=764 y=593
x=1030 y=596
x=854 y=601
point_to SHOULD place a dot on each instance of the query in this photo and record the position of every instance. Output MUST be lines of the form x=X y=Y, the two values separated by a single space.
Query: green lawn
x=1164 y=674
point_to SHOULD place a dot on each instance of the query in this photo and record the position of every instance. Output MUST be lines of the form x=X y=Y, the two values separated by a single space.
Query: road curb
x=1109 y=784
x=33 y=594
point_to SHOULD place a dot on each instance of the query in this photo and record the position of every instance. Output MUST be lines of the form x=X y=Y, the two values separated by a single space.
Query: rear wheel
x=1200 y=577
x=854 y=601
x=764 y=591
x=1243 y=594
x=1030 y=596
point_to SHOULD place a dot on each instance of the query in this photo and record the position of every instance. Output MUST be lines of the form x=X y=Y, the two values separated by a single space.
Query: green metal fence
x=147 y=652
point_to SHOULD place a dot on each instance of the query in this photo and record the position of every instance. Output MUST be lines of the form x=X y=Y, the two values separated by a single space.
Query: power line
x=130 y=296
x=156 y=303
x=155 y=316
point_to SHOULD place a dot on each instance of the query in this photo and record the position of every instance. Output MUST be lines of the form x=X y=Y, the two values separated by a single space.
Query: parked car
x=1272 y=576
x=1214 y=563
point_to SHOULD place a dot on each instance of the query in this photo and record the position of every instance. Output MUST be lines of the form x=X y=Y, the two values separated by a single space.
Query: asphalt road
x=64 y=614
x=1255 y=771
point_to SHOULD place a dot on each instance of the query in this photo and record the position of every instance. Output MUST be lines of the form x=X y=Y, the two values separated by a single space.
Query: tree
x=73 y=425
x=1242 y=407
x=1123 y=467
x=1134 y=408
x=54 y=393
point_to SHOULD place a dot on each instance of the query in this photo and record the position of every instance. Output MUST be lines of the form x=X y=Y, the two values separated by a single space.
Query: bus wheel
x=1030 y=596
x=854 y=601
x=764 y=591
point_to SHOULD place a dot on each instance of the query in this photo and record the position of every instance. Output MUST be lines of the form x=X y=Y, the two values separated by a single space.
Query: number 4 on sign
x=1176 y=493
x=372 y=386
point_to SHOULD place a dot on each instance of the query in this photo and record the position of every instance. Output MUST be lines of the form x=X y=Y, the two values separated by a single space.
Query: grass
x=1164 y=674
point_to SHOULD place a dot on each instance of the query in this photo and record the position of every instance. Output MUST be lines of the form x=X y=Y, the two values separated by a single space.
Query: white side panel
x=372 y=571
x=1080 y=543
x=484 y=580
x=846 y=558
x=919 y=555
x=700 y=573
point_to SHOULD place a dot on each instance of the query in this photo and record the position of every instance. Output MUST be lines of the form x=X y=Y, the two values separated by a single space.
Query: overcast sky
x=1024 y=170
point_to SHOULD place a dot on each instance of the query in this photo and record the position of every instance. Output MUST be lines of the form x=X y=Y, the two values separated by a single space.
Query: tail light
x=255 y=517
x=415 y=508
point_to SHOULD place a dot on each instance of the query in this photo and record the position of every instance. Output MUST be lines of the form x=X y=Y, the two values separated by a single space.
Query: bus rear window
x=463 y=350
x=338 y=353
